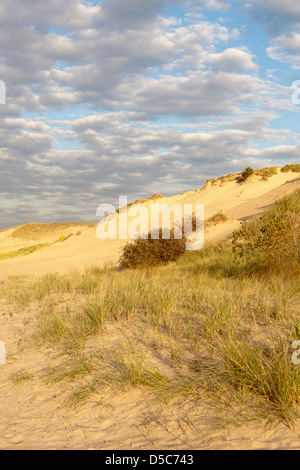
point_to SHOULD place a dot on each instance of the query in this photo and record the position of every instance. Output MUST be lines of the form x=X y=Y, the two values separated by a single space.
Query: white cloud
x=286 y=48
x=232 y=60
x=158 y=103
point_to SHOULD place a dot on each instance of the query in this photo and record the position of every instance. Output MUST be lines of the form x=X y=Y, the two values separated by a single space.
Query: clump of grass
x=295 y=168
x=23 y=251
x=267 y=172
x=131 y=369
x=52 y=327
x=71 y=369
x=266 y=370
x=221 y=180
x=158 y=305
x=246 y=174
x=119 y=368
x=20 y=377
x=94 y=316
x=63 y=238
x=216 y=219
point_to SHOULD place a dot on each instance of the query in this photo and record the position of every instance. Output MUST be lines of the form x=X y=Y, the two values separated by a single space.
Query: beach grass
x=205 y=326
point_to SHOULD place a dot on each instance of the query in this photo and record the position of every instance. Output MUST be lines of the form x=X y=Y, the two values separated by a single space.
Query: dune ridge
x=235 y=200
x=107 y=359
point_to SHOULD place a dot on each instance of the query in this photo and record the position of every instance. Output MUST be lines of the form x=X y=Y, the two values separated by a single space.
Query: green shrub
x=295 y=168
x=246 y=174
x=275 y=238
x=267 y=172
x=152 y=252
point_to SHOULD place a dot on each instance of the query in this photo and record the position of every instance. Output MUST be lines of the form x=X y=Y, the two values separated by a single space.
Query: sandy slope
x=236 y=201
x=34 y=417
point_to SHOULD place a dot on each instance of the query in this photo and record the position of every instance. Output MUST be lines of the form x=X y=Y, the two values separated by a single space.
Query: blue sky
x=134 y=98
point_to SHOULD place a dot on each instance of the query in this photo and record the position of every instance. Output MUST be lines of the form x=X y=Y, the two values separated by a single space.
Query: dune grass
x=295 y=168
x=37 y=231
x=205 y=327
x=23 y=251
x=20 y=377
x=200 y=326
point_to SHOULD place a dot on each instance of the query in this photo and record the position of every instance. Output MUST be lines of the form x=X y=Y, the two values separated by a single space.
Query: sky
x=135 y=97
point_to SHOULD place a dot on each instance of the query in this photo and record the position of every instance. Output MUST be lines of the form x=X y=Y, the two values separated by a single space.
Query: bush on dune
x=152 y=252
x=274 y=240
x=246 y=174
x=156 y=250
x=295 y=168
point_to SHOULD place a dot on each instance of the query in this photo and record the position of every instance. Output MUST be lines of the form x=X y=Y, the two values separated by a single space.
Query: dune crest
x=80 y=247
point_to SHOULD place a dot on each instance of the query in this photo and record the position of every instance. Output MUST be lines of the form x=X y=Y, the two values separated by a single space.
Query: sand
x=237 y=201
x=34 y=416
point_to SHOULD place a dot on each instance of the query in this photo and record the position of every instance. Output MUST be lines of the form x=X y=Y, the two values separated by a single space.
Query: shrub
x=267 y=172
x=246 y=174
x=275 y=238
x=152 y=252
x=295 y=168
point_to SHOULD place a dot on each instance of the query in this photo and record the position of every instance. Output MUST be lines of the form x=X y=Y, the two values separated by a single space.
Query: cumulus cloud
x=286 y=48
x=232 y=60
x=113 y=97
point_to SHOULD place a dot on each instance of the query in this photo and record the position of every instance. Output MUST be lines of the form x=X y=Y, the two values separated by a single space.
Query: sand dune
x=237 y=201
x=33 y=416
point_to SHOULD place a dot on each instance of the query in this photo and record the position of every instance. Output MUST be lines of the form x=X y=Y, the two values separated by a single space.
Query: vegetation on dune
x=216 y=219
x=23 y=251
x=152 y=252
x=218 y=323
x=295 y=168
x=265 y=173
x=246 y=174
x=273 y=240
x=202 y=326
x=37 y=231
x=141 y=201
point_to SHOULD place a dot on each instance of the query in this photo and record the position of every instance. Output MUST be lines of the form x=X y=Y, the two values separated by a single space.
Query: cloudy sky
x=136 y=97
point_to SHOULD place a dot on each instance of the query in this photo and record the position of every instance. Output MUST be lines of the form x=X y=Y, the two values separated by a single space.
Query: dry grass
x=23 y=251
x=178 y=330
x=216 y=219
x=295 y=168
x=36 y=231
x=203 y=327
